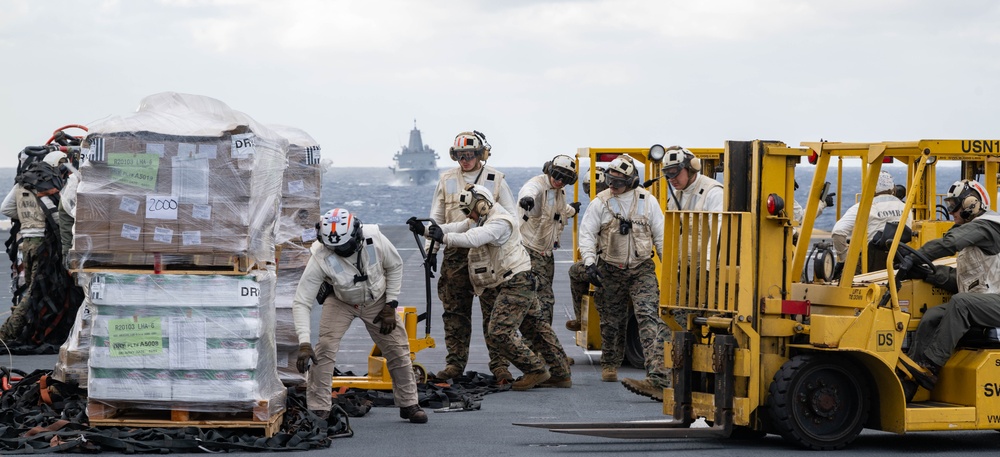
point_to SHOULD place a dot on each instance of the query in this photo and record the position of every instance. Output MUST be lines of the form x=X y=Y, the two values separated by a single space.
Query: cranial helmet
x=474 y=141
x=625 y=166
x=340 y=231
x=562 y=168
x=54 y=158
x=476 y=199
x=678 y=159
x=968 y=196
x=599 y=180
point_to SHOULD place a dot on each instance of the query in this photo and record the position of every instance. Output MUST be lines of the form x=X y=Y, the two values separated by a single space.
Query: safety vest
x=540 y=233
x=977 y=271
x=693 y=198
x=491 y=265
x=631 y=249
x=342 y=271
x=30 y=213
x=454 y=184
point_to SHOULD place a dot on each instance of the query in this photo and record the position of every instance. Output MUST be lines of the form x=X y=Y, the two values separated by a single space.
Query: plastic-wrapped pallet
x=74 y=353
x=184 y=342
x=183 y=176
x=300 y=197
x=286 y=340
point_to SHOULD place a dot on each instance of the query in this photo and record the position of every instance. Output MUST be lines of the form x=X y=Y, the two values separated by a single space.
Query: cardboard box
x=125 y=236
x=91 y=236
x=127 y=208
x=160 y=235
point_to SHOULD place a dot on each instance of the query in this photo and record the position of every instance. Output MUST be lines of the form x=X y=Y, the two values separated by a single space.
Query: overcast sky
x=539 y=78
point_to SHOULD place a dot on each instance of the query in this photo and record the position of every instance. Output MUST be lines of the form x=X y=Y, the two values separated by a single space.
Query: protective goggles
x=672 y=172
x=617 y=181
x=565 y=177
x=467 y=155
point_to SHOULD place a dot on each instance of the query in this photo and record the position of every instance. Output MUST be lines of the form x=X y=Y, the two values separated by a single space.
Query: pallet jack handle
x=428 y=274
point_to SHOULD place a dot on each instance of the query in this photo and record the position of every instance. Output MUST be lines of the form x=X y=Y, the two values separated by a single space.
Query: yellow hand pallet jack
x=378 y=377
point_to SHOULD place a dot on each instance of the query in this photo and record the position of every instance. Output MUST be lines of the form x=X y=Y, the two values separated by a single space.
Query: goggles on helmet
x=671 y=172
x=617 y=181
x=564 y=176
x=467 y=155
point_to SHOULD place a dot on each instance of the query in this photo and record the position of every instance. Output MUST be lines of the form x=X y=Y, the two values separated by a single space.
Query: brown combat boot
x=564 y=382
x=530 y=380
x=573 y=325
x=644 y=387
x=450 y=371
x=503 y=376
x=609 y=374
x=414 y=414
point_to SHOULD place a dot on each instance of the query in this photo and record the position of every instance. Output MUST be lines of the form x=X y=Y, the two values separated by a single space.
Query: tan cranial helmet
x=969 y=197
x=474 y=142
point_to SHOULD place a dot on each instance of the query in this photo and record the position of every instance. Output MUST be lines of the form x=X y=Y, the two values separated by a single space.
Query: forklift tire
x=819 y=402
x=419 y=373
x=633 y=345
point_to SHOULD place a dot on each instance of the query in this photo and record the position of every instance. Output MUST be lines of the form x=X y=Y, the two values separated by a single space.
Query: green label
x=138 y=170
x=135 y=336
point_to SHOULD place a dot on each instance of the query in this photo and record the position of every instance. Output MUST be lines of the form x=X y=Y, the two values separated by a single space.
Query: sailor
x=974 y=281
x=885 y=208
x=471 y=151
x=365 y=272
x=691 y=190
x=619 y=231
x=579 y=285
x=500 y=273
x=34 y=201
x=544 y=213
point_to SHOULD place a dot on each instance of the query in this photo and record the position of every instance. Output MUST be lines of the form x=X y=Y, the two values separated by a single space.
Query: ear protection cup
x=475 y=201
x=486 y=146
x=693 y=162
x=969 y=205
x=547 y=168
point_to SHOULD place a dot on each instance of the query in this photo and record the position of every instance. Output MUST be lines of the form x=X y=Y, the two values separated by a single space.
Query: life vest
x=491 y=265
x=342 y=272
x=693 y=197
x=541 y=233
x=631 y=249
x=454 y=184
x=977 y=271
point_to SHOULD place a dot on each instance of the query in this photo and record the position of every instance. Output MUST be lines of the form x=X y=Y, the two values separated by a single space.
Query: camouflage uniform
x=514 y=306
x=579 y=286
x=455 y=292
x=13 y=327
x=544 y=267
x=640 y=284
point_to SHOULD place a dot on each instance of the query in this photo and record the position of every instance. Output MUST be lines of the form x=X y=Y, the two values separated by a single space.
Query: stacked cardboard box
x=300 y=197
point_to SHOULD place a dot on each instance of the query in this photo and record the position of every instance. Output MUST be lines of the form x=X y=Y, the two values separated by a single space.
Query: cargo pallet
x=167 y=263
x=104 y=416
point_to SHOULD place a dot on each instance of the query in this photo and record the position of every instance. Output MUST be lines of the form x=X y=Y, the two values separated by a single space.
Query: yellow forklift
x=762 y=352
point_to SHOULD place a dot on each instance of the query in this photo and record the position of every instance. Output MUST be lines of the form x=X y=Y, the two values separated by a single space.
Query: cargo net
x=56 y=421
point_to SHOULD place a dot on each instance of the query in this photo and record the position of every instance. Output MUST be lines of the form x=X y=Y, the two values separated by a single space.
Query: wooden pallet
x=101 y=416
x=173 y=263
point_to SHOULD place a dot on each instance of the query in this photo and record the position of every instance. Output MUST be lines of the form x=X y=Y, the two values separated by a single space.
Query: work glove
x=435 y=233
x=415 y=225
x=594 y=275
x=527 y=203
x=829 y=199
x=576 y=207
x=910 y=268
x=306 y=355
x=838 y=270
x=387 y=317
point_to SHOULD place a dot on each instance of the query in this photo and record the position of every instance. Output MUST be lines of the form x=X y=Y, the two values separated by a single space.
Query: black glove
x=594 y=275
x=415 y=225
x=432 y=257
x=838 y=270
x=910 y=268
x=576 y=207
x=306 y=355
x=387 y=317
x=527 y=203
x=435 y=233
x=829 y=199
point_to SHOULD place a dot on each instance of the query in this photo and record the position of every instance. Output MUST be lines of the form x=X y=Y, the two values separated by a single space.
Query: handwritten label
x=161 y=207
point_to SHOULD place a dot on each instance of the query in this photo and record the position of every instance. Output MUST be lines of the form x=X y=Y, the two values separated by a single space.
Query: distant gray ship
x=416 y=163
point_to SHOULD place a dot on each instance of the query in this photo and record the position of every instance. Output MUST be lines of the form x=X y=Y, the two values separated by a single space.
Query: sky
x=539 y=78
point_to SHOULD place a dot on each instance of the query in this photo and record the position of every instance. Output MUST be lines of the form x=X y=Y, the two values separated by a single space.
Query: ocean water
x=376 y=197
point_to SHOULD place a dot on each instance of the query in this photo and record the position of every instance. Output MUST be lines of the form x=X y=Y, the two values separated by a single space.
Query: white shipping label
x=207 y=151
x=243 y=146
x=131 y=232
x=296 y=187
x=163 y=235
x=161 y=207
x=203 y=212
x=129 y=205
x=309 y=234
x=155 y=148
x=191 y=238
x=186 y=150
x=188 y=348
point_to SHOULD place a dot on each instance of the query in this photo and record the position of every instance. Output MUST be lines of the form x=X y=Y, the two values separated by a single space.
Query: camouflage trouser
x=544 y=268
x=640 y=284
x=579 y=285
x=455 y=292
x=12 y=328
x=514 y=307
